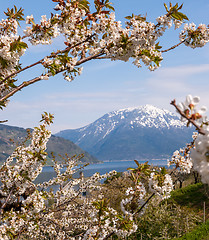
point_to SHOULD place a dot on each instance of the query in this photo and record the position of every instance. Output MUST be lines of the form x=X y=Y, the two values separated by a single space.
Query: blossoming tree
x=33 y=211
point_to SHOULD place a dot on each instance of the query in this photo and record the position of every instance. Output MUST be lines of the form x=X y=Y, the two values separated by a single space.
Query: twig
x=175 y=46
x=96 y=56
x=3 y=121
x=198 y=128
x=139 y=210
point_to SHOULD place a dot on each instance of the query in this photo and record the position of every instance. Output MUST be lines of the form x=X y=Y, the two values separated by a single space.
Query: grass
x=193 y=196
x=200 y=233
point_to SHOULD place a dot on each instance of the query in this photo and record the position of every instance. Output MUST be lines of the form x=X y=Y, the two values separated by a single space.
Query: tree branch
x=95 y=56
x=139 y=210
x=21 y=86
x=198 y=128
x=173 y=47
x=27 y=83
x=50 y=56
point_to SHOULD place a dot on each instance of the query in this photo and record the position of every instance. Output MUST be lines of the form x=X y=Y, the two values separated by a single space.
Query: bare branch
x=21 y=70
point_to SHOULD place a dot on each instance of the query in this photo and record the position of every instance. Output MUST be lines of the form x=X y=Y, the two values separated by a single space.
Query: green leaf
x=140 y=18
x=83 y=4
x=15 y=13
x=18 y=45
x=180 y=6
x=4 y=63
x=110 y=7
x=166 y=7
x=163 y=171
x=132 y=169
x=2 y=105
x=130 y=17
x=137 y=163
x=176 y=6
x=157 y=47
x=11 y=83
x=183 y=16
x=176 y=16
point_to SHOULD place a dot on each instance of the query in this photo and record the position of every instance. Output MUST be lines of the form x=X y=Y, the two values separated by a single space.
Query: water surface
x=102 y=168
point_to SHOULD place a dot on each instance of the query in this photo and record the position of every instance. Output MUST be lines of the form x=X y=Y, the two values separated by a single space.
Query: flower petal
x=202 y=110
x=196 y=100
x=189 y=100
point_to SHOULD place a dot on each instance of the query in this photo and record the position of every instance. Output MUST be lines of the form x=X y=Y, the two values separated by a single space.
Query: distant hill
x=57 y=145
x=134 y=133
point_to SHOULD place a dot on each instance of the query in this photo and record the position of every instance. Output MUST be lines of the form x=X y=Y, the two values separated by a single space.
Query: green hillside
x=182 y=216
x=193 y=198
x=10 y=137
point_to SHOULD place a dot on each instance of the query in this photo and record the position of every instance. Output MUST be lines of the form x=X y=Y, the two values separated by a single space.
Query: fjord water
x=102 y=168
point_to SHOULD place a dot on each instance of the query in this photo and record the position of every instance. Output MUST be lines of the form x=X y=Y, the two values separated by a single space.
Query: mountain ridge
x=139 y=130
x=59 y=146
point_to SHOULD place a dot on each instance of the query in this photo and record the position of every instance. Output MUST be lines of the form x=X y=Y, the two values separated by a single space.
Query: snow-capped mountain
x=132 y=133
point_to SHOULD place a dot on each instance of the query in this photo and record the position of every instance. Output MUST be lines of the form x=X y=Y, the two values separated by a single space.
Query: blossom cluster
x=198 y=150
x=200 y=155
x=193 y=36
x=138 y=192
x=57 y=209
x=10 y=53
x=162 y=189
x=106 y=220
x=12 y=47
x=181 y=159
x=54 y=208
x=189 y=108
x=41 y=33
x=88 y=35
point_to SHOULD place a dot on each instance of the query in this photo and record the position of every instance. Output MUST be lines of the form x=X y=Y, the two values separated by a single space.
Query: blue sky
x=104 y=85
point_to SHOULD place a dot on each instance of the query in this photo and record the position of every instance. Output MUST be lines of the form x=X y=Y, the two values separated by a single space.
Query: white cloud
x=101 y=65
x=75 y=109
x=182 y=71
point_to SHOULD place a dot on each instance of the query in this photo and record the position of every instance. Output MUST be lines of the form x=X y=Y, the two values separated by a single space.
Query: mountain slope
x=10 y=136
x=142 y=132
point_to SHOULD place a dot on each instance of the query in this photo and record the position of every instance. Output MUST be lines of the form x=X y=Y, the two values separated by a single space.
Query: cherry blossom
x=88 y=35
x=163 y=189
x=30 y=210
